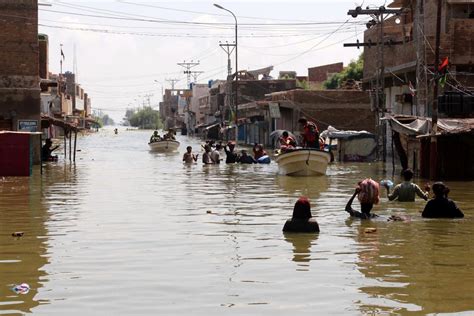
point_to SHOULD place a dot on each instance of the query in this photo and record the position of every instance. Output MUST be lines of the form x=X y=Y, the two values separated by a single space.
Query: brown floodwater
x=129 y=232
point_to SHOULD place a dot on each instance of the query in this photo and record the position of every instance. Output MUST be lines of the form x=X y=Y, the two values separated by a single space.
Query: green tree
x=146 y=118
x=354 y=71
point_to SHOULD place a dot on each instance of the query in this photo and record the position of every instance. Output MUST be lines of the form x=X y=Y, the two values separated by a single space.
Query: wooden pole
x=70 y=146
x=75 y=143
x=434 y=113
x=65 y=144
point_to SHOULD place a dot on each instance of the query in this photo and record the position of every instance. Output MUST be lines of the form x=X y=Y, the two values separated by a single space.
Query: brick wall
x=320 y=73
x=343 y=109
x=19 y=61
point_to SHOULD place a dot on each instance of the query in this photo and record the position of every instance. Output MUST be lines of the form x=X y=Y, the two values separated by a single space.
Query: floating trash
x=370 y=230
x=18 y=234
x=21 y=288
x=386 y=183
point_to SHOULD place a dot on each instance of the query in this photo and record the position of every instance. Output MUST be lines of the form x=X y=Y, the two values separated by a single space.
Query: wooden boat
x=303 y=162
x=164 y=145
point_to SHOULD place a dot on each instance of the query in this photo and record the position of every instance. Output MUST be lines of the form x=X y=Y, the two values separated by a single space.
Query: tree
x=354 y=71
x=145 y=118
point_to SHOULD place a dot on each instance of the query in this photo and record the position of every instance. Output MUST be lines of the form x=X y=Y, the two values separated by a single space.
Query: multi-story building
x=408 y=74
x=19 y=66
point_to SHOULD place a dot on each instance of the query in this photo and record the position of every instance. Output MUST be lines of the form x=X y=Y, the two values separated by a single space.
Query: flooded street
x=129 y=232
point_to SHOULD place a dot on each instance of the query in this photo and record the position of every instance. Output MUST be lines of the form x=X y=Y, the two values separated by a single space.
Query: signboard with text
x=28 y=125
x=274 y=109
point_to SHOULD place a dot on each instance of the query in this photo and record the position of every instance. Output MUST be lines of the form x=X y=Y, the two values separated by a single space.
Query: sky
x=125 y=51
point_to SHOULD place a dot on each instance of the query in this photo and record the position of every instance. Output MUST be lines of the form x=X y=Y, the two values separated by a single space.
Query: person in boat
x=116 y=131
x=406 y=191
x=169 y=135
x=206 y=157
x=286 y=142
x=46 y=151
x=215 y=154
x=367 y=193
x=245 y=158
x=301 y=221
x=440 y=206
x=155 y=137
x=310 y=133
x=188 y=156
x=231 y=155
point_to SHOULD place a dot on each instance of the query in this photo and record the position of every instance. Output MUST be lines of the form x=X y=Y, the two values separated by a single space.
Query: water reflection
x=301 y=248
x=22 y=260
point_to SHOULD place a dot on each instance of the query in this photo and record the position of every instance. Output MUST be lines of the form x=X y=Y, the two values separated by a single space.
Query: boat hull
x=303 y=162
x=164 y=146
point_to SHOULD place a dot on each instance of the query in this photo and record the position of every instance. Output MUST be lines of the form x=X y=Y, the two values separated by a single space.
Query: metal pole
x=70 y=146
x=236 y=84
x=434 y=114
x=236 y=72
x=75 y=143
x=65 y=144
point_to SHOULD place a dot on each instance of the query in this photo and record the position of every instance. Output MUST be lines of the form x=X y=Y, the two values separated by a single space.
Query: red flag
x=444 y=65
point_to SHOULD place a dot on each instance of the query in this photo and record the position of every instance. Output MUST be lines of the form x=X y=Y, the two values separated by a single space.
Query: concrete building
x=409 y=70
x=19 y=66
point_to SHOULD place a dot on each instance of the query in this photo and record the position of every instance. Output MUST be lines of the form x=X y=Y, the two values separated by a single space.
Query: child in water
x=188 y=156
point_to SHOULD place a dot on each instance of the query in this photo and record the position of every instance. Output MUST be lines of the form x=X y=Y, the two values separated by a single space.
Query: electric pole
x=196 y=74
x=172 y=81
x=421 y=74
x=228 y=49
x=434 y=113
x=379 y=15
x=187 y=66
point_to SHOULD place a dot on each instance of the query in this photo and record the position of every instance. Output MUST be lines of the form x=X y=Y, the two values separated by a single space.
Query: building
x=409 y=67
x=19 y=66
x=174 y=106
x=317 y=75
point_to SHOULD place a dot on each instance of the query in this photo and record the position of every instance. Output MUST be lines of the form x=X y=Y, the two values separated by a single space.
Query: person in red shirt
x=310 y=133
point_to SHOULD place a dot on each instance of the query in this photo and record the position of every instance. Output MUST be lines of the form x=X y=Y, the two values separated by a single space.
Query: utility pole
x=421 y=74
x=379 y=16
x=187 y=66
x=172 y=81
x=434 y=113
x=196 y=74
x=228 y=49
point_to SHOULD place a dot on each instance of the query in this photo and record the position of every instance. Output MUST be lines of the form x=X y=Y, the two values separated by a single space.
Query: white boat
x=303 y=162
x=164 y=145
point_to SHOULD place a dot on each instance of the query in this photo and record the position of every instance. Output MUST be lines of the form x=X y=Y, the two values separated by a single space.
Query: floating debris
x=18 y=234
x=370 y=230
x=23 y=288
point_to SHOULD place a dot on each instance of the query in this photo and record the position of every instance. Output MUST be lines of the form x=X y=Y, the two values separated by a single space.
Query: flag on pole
x=62 y=54
x=443 y=72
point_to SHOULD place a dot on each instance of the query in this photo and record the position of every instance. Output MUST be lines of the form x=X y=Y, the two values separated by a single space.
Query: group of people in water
x=367 y=192
x=214 y=151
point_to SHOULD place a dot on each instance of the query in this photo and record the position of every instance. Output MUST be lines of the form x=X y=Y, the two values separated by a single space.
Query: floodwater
x=129 y=232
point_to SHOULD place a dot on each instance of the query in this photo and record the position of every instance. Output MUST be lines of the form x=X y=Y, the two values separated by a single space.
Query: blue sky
x=122 y=47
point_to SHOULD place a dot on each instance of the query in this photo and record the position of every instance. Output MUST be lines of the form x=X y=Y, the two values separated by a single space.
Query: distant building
x=317 y=75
